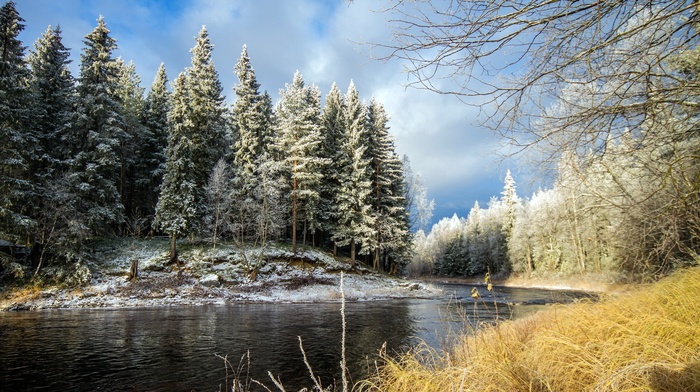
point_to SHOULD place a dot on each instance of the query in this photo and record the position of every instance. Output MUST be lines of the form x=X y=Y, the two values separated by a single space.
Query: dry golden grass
x=645 y=340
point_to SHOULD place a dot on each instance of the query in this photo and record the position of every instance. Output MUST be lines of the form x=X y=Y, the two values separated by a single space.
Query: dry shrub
x=644 y=340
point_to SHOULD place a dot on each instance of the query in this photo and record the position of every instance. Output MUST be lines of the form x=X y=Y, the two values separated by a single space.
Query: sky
x=327 y=41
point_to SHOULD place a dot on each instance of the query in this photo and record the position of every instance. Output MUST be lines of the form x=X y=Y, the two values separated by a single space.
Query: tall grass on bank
x=645 y=340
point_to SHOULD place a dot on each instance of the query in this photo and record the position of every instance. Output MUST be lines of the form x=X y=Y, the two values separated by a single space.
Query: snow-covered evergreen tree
x=196 y=142
x=132 y=177
x=333 y=118
x=54 y=99
x=18 y=141
x=388 y=197
x=53 y=88
x=95 y=172
x=155 y=142
x=252 y=123
x=298 y=117
x=356 y=224
x=206 y=110
x=180 y=204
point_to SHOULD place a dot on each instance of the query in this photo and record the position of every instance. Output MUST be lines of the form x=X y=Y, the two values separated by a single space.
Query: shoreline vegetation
x=206 y=275
x=645 y=339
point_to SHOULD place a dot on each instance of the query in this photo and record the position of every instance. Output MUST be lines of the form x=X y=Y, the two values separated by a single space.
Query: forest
x=601 y=98
x=97 y=155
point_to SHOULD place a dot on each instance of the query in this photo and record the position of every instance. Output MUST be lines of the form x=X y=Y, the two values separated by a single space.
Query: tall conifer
x=96 y=169
x=18 y=142
x=177 y=211
x=298 y=115
x=356 y=225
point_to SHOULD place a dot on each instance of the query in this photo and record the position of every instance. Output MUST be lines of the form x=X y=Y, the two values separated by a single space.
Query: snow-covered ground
x=218 y=275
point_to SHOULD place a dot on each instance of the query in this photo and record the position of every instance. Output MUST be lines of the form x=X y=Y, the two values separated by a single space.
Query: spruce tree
x=356 y=225
x=333 y=119
x=206 y=110
x=53 y=89
x=131 y=176
x=388 y=198
x=178 y=209
x=153 y=155
x=298 y=116
x=18 y=141
x=96 y=169
x=252 y=122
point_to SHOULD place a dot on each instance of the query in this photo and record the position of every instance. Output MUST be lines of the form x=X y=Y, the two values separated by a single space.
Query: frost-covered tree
x=180 y=204
x=155 y=141
x=206 y=109
x=356 y=224
x=420 y=209
x=388 y=197
x=251 y=117
x=53 y=89
x=333 y=118
x=299 y=127
x=218 y=200
x=132 y=176
x=95 y=171
x=18 y=141
x=196 y=142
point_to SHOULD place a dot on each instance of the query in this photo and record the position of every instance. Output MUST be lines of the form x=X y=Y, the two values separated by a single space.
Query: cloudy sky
x=326 y=40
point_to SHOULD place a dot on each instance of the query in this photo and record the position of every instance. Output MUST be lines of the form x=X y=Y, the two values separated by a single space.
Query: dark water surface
x=176 y=348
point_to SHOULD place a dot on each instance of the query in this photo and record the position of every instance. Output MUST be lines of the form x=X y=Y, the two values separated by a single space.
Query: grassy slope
x=644 y=340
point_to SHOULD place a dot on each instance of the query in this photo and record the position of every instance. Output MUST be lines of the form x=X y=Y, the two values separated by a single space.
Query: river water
x=182 y=348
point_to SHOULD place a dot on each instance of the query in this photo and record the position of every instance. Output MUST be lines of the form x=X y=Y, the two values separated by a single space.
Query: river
x=182 y=348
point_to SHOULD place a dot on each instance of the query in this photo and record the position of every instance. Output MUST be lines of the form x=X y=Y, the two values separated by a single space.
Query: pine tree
x=95 y=172
x=333 y=119
x=298 y=115
x=18 y=141
x=179 y=204
x=155 y=142
x=356 y=225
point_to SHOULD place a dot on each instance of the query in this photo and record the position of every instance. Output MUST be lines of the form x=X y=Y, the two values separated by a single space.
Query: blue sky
x=326 y=41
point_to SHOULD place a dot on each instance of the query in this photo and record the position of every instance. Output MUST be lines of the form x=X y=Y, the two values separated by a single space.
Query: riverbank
x=591 y=283
x=645 y=339
x=209 y=275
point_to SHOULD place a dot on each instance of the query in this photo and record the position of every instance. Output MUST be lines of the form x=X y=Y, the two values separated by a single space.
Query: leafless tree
x=517 y=58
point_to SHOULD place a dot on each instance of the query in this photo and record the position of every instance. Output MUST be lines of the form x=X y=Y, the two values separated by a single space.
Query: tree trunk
x=352 y=252
x=134 y=270
x=294 y=217
x=173 y=249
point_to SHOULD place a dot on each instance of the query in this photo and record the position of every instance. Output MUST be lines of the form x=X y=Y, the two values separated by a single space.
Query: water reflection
x=175 y=349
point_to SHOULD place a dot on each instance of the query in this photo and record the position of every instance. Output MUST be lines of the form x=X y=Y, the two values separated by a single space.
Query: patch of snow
x=210 y=280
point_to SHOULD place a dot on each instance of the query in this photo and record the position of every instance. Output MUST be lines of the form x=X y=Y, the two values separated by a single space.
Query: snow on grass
x=209 y=275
